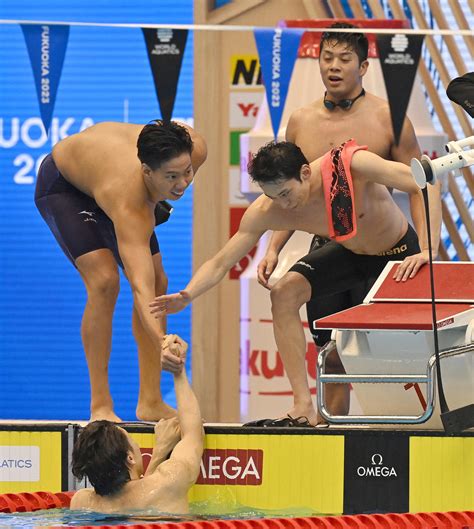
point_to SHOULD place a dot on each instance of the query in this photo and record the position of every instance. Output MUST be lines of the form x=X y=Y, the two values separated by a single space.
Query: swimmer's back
x=162 y=491
x=101 y=156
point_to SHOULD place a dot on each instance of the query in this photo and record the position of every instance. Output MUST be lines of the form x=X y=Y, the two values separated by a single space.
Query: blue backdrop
x=106 y=77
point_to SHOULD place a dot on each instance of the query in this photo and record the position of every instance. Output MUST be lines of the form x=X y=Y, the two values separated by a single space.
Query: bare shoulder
x=381 y=110
x=378 y=106
x=128 y=210
x=176 y=474
x=82 y=498
x=113 y=129
x=100 y=141
x=199 y=153
x=304 y=113
x=262 y=215
x=257 y=214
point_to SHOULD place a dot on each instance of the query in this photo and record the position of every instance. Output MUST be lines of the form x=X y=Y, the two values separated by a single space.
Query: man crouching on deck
x=342 y=195
x=111 y=460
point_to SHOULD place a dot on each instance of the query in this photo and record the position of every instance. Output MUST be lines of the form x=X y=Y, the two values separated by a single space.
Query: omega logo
x=377 y=469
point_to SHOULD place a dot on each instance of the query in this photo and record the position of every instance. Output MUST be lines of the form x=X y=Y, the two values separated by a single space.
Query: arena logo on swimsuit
x=231 y=467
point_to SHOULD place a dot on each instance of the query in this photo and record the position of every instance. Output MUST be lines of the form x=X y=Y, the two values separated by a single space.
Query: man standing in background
x=347 y=111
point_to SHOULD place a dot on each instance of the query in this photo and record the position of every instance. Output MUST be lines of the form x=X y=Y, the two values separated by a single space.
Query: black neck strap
x=345 y=104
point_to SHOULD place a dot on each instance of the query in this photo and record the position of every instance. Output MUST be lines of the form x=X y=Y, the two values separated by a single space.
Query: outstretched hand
x=409 y=267
x=170 y=303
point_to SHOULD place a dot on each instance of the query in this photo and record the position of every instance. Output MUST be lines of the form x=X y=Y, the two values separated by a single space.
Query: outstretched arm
x=212 y=271
x=186 y=456
x=208 y=275
x=134 y=229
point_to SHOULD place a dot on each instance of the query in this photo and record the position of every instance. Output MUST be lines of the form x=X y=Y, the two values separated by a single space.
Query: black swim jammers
x=333 y=269
x=75 y=219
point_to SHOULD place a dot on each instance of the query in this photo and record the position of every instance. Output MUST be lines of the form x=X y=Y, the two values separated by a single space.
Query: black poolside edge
x=241 y=430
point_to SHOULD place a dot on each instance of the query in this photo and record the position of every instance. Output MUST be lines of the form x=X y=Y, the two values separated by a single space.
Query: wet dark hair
x=355 y=41
x=100 y=454
x=159 y=142
x=277 y=161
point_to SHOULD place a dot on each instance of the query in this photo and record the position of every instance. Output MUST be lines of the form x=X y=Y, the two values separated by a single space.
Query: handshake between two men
x=173 y=353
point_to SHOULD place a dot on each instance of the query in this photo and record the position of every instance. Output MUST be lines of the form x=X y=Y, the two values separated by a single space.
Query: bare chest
x=314 y=218
x=317 y=138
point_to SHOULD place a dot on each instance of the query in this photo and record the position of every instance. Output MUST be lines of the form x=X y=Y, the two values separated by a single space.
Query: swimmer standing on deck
x=102 y=192
x=345 y=111
x=342 y=195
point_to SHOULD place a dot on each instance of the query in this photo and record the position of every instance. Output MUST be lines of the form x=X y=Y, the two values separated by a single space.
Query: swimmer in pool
x=111 y=460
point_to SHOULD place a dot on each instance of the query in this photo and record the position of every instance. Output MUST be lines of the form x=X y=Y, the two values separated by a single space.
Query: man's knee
x=104 y=283
x=293 y=290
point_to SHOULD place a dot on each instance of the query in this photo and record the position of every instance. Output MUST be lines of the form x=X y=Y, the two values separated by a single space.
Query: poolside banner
x=376 y=473
x=165 y=49
x=277 y=50
x=46 y=49
x=399 y=56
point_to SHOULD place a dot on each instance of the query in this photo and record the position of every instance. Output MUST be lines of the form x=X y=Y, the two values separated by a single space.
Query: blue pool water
x=67 y=517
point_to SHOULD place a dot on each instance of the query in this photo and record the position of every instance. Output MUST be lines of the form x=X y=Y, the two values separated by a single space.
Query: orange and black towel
x=339 y=191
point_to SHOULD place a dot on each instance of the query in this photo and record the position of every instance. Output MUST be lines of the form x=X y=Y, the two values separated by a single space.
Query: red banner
x=236 y=214
x=231 y=467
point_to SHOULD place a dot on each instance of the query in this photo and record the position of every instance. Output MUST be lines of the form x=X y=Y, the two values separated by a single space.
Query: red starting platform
x=391 y=334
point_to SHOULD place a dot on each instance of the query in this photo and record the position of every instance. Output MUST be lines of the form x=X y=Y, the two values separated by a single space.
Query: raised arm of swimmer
x=213 y=270
x=183 y=465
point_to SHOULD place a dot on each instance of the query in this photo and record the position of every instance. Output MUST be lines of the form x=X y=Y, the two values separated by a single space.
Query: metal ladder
x=322 y=379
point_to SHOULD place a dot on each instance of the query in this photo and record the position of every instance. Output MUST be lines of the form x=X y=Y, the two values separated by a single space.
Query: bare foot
x=104 y=414
x=305 y=411
x=155 y=412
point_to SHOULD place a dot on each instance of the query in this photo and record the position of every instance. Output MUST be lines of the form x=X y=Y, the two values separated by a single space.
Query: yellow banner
x=441 y=474
x=245 y=71
x=30 y=461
